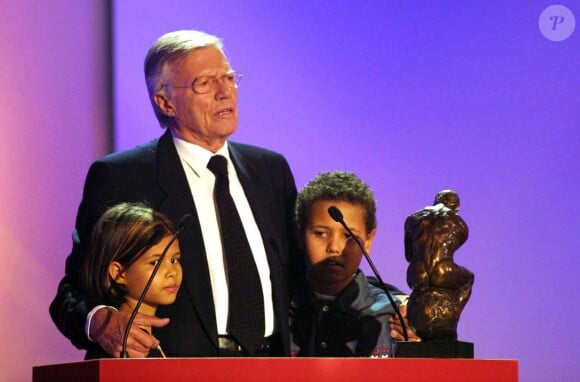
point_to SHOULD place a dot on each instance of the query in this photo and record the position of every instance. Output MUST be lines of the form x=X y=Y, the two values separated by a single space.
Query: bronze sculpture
x=440 y=287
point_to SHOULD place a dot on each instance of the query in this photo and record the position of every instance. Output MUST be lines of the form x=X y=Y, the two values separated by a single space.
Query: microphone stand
x=336 y=215
x=182 y=224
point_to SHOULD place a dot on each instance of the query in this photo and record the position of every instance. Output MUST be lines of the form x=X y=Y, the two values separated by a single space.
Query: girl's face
x=333 y=256
x=165 y=285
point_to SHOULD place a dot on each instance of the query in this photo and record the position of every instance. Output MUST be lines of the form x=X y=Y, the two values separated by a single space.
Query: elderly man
x=235 y=297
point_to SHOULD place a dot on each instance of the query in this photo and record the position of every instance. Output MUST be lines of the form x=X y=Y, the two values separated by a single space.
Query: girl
x=127 y=243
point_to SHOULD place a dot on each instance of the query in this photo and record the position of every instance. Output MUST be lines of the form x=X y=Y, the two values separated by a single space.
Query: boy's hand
x=397 y=328
x=108 y=328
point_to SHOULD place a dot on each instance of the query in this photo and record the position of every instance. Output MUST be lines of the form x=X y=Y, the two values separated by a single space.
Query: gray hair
x=167 y=49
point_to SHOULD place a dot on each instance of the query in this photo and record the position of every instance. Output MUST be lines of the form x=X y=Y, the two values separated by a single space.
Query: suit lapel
x=258 y=192
x=196 y=280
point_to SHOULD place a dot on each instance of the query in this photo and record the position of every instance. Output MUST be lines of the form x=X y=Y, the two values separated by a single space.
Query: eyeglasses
x=205 y=84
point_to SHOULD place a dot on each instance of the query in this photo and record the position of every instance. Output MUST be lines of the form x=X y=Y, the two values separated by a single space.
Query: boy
x=338 y=313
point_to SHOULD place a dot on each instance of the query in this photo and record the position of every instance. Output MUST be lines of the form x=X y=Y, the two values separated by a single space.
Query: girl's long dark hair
x=123 y=233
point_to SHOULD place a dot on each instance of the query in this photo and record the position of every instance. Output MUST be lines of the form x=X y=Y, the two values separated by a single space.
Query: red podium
x=279 y=370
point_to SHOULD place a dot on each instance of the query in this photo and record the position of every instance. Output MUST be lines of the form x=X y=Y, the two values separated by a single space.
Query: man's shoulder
x=251 y=151
x=141 y=152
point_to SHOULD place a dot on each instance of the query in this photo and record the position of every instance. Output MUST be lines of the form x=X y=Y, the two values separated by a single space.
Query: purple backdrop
x=414 y=98
x=54 y=115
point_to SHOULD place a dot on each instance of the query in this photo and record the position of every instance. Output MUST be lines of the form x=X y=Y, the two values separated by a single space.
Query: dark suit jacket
x=153 y=173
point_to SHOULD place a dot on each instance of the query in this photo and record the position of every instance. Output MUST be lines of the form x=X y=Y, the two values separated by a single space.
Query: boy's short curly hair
x=339 y=186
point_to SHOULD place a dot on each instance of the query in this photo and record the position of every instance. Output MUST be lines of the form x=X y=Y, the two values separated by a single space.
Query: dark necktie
x=246 y=302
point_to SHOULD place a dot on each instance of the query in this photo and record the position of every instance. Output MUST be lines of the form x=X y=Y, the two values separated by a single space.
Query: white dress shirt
x=201 y=183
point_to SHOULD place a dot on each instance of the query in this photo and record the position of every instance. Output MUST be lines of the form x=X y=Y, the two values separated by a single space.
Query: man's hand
x=397 y=328
x=108 y=328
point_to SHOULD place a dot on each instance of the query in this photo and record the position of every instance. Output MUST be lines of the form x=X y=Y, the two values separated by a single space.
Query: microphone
x=336 y=215
x=182 y=224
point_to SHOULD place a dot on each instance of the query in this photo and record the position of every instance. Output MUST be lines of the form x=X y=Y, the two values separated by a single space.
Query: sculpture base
x=434 y=349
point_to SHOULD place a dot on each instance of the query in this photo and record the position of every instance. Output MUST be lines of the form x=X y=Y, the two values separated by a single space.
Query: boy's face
x=165 y=285
x=333 y=257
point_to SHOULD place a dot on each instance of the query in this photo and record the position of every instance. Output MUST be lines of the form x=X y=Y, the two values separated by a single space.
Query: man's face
x=333 y=256
x=204 y=119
